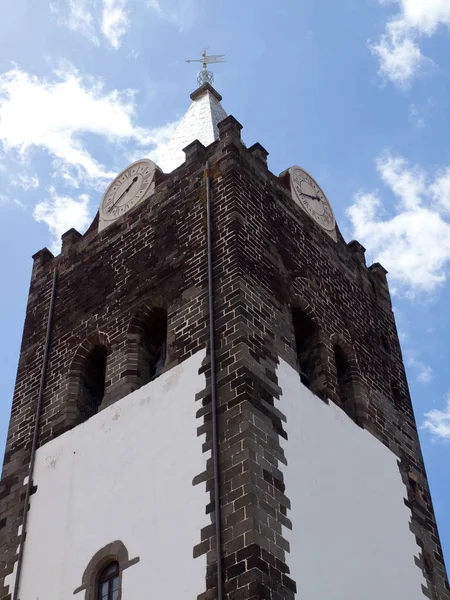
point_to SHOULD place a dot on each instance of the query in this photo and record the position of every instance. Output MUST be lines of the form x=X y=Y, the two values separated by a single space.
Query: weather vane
x=204 y=75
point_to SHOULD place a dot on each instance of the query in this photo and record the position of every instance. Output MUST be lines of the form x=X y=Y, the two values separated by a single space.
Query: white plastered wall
x=126 y=474
x=350 y=538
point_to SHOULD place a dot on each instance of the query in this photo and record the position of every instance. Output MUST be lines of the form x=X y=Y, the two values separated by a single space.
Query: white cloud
x=81 y=19
x=437 y=422
x=156 y=6
x=400 y=58
x=440 y=190
x=415 y=117
x=8 y=201
x=424 y=373
x=61 y=213
x=412 y=240
x=398 y=49
x=54 y=115
x=159 y=151
x=407 y=183
x=115 y=21
x=93 y=18
x=160 y=154
x=26 y=182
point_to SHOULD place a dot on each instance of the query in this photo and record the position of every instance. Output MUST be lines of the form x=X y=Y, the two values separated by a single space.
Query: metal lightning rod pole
x=23 y=533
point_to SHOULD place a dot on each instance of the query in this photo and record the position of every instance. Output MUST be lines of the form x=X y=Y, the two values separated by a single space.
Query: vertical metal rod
x=212 y=350
x=35 y=436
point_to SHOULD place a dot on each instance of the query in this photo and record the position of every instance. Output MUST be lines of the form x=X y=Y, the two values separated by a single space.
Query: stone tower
x=211 y=400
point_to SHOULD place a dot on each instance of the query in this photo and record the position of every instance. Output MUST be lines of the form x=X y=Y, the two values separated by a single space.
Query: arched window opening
x=345 y=382
x=343 y=375
x=102 y=577
x=153 y=345
x=109 y=582
x=93 y=382
x=307 y=347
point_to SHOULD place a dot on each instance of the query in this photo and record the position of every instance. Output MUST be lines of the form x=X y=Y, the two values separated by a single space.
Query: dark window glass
x=153 y=345
x=306 y=341
x=93 y=382
x=108 y=582
x=157 y=361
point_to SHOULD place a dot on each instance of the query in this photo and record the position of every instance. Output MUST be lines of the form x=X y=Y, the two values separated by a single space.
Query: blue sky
x=354 y=91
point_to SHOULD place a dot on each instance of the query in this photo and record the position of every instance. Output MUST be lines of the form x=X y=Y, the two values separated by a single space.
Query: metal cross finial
x=204 y=75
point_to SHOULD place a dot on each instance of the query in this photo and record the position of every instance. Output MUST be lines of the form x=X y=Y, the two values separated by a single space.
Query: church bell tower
x=211 y=401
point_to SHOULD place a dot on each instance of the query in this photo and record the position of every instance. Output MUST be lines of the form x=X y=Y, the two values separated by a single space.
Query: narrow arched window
x=307 y=347
x=93 y=382
x=343 y=375
x=153 y=345
x=345 y=382
x=109 y=582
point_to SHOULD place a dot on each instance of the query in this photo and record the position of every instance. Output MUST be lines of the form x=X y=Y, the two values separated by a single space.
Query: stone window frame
x=132 y=375
x=70 y=414
x=112 y=552
x=358 y=411
x=320 y=384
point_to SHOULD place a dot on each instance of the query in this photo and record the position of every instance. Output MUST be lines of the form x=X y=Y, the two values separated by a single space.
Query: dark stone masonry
x=269 y=258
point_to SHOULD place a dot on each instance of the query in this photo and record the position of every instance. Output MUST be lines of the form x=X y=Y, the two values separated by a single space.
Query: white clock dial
x=307 y=193
x=127 y=189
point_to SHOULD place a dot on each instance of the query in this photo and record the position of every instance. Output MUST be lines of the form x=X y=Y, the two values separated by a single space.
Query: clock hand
x=309 y=196
x=123 y=194
x=118 y=199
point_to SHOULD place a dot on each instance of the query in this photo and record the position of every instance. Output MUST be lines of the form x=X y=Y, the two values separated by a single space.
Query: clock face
x=127 y=189
x=307 y=193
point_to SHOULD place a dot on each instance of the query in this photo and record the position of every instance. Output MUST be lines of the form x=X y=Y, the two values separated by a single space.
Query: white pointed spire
x=199 y=123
